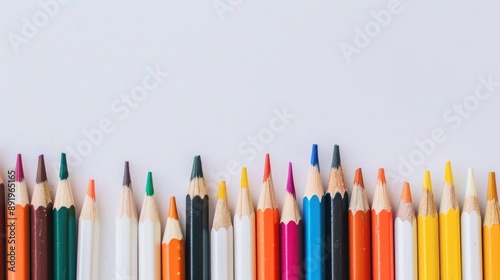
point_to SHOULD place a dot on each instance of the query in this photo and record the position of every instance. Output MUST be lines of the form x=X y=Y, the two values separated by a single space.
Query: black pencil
x=336 y=228
x=197 y=232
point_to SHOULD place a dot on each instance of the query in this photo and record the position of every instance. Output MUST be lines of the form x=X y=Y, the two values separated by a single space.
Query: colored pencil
x=313 y=221
x=173 y=261
x=88 y=237
x=244 y=233
x=20 y=217
x=449 y=230
x=64 y=222
x=149 y=235
x=359 y=231
x=221 y=238
x=126 y=231
x=336 y=204
x=291 y=227
x=491 y=232
x=3 y=232
x=197 y=233
x=405 y=237
x=428 y=232
x=472 y=252
x=382 y=231
x=267 y=226
x=41 y=226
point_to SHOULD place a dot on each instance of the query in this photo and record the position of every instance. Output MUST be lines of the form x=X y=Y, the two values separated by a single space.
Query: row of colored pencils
x=40 y=236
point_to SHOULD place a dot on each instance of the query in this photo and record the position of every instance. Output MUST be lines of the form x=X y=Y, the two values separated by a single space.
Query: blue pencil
x=313 y=221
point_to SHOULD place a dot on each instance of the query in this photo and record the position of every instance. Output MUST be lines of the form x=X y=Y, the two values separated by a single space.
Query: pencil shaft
x=382 y=245
x=126 y=248
x=291 y=250
x=268 y=259
x=173 y=260
x=41 y=242
x=472 y=266
x=428 y=244
x=405 y=244
x=313 y=238
x=20 y=267
x=244 y=247
x=336 y=236
x=359 y=245
x=222 y=254
x=449 y=244
x=64 y=222
x=149 y=250
x=88 y=250
x=197 y=238
x=491 y=245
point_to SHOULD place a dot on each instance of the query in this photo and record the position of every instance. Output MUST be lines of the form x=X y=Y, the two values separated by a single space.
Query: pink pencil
x=291 y=228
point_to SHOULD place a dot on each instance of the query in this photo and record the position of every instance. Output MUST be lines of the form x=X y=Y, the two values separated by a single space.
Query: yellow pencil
x=449 y=230
x=428 y=233
x=491 y=232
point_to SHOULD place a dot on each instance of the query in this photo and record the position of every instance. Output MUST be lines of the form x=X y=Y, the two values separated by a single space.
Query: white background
x=229 y=74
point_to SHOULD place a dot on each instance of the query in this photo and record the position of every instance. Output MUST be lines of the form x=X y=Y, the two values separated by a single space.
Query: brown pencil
x=41 y=226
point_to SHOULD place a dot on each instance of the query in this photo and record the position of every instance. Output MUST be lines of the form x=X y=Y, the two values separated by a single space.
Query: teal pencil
x=64 y=221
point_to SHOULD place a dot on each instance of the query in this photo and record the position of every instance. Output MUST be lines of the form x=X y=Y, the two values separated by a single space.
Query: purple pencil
x=291 y=228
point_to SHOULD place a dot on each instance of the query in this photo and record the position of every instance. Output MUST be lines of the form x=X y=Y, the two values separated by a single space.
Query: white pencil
x=244 y=233
x=149 y=236
x=405 y=237
x=472 y=253
x=88 y=237
x=126 y=232
x=221 y=239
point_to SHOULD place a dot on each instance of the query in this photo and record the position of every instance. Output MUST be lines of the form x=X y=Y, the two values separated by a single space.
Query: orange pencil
x=173 y=246
x=267 y=226
x=19 y=222
x=491 y=232
x=359 y=231
x=382 y=232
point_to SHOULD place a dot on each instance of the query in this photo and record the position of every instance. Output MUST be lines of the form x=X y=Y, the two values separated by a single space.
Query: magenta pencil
x=291 y=228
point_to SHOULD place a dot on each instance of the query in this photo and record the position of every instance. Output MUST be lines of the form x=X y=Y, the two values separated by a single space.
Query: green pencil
x=64 y=221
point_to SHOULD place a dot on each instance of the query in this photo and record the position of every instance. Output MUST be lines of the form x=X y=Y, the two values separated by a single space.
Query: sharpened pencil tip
x=471 y=184
x=126 y=175
x=427 y=181
x=41 y=174
x=222 y=190
x=149 y=185
x=406 y=192
x=91 y=189
x=336 y=157
x=448 y=176
x=267 y=168
x=63 y=170
x=358 y=178
x=314 y=156
x=197 y=171
x=381 y=176
x=290 y=186
x=19 y=169
x=244 y=178
x=492 y=187
x=172 y=209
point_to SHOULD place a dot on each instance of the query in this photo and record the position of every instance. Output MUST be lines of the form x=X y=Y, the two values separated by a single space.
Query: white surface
x=405 y=248
x=472 y=253
x=228 y=78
